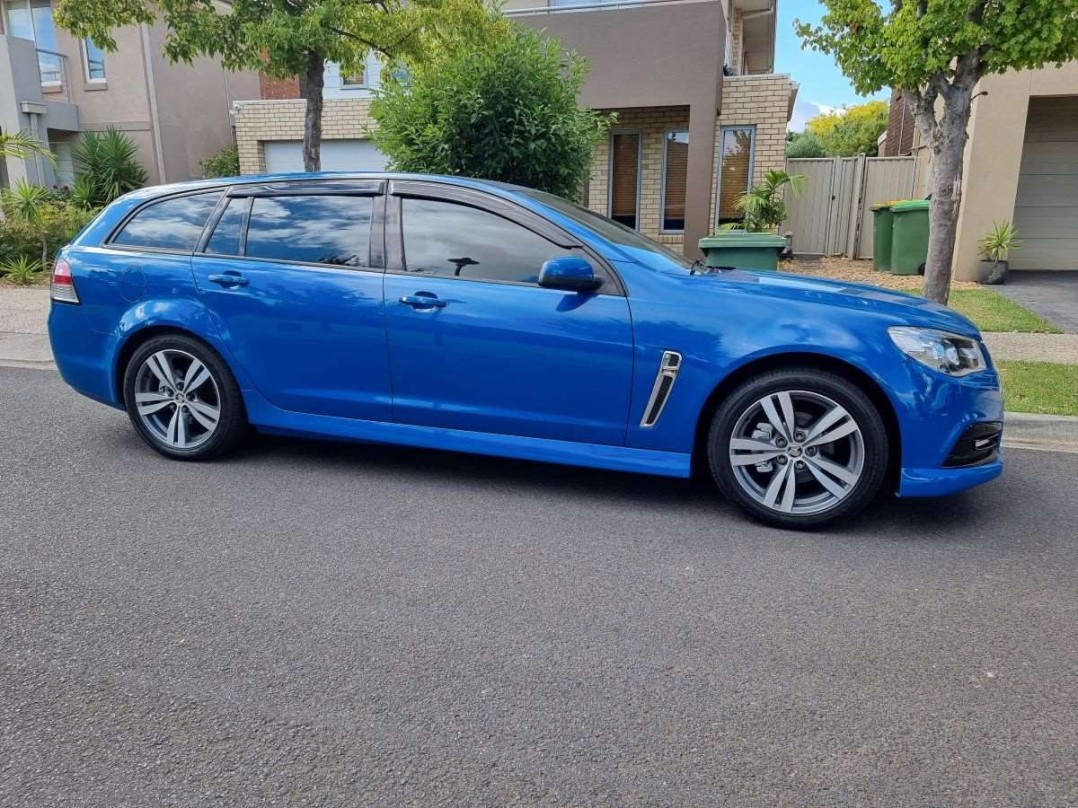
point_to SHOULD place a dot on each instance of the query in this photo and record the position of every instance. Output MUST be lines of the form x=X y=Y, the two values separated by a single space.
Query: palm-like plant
x=109 y=162
x=23 y=146
x=27 y=203
x=20 y=270
x=764 y=206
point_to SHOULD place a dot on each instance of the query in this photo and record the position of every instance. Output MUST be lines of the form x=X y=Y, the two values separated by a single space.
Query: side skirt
x=268 y=418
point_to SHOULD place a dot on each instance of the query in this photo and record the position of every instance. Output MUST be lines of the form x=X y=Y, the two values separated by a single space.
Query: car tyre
x=183 y=400
x=798 y=448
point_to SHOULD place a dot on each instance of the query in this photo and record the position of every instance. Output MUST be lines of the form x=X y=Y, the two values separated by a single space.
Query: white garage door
x=1046 y=210
x=337 y=155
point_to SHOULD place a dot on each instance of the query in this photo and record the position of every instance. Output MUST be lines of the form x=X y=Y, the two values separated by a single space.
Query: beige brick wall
x=261 y=121
x=653 y=124
x=762 y=101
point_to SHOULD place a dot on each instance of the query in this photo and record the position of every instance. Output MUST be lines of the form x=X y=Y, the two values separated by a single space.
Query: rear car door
x=292 y=274
x=476 y=344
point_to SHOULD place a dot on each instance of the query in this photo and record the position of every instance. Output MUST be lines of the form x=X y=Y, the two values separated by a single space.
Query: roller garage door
x=283 y=156
x=1046 y=209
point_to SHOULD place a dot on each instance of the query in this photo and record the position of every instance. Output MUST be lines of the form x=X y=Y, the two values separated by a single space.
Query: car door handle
x=228 y=279
x=423 y=301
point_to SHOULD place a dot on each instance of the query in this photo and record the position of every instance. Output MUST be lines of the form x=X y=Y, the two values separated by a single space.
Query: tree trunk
x=943 y=210
x=311 y=83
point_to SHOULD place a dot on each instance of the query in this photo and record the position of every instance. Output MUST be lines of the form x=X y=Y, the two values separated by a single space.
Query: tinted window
x=443 y=238
x=229 y=230
x=311 y=229
x=172 y=224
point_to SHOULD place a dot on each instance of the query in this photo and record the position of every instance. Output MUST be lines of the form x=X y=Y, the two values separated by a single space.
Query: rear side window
x=311 y=229
x=228 y=234
x=171 y=224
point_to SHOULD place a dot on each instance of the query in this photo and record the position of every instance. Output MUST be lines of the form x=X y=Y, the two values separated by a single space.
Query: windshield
x=610 y=230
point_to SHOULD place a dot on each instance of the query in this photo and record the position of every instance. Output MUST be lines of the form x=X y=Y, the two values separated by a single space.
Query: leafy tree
x=804 y=144
x=107 y=165
x=282 y=38
x=936 y=51
x=504 y=110
x=854 y=130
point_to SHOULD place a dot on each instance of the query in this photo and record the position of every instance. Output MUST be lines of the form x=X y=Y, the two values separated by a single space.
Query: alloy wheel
x=177 y=399
x=797 y=452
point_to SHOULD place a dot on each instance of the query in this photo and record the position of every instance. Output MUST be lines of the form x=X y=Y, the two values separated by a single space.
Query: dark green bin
x=737 y=248
x=882 y=222
x=909 y=244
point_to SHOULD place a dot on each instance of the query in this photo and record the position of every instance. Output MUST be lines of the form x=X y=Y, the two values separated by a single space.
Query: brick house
x=701 y=115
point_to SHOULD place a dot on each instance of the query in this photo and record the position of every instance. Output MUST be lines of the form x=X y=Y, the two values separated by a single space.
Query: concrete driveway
x=315 y=624
x=1052 y=295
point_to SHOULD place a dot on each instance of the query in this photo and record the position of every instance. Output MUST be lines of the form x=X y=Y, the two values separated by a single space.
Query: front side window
x=171 y=224
x=675 y=179
x=735 y=172
x=445 y=238
x=95 y=60
x=311 y=229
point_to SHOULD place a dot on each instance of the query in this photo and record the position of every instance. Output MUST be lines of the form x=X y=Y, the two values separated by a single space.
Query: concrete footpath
x=25 y=343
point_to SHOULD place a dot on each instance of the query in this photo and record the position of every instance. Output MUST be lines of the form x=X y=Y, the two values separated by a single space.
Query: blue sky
x=822 y=84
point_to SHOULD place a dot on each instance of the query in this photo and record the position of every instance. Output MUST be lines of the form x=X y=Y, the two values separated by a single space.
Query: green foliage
x=805 y=144
x=38 y=222
x=855 y=130
x=226 y=163
x=765 y=206
x=23 y=146
x=909 y=43
x=20 y=270
x=502 y=109
x=108 y=164
x=999 y=242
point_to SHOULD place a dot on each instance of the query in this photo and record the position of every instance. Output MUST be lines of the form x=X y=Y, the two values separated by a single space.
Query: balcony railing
x=592 y=5
x=54 y=76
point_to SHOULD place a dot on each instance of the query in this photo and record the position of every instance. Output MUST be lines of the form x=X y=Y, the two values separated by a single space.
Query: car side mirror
x=569 y=272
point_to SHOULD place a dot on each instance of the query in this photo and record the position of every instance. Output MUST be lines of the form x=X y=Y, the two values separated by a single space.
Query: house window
x=735 y=171
x=357 y=78
x=94 y=60
x=32 y=19
x=675 y=179
x=625 y=178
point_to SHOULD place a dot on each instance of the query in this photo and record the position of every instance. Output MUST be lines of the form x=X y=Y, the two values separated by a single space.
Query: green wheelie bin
x=881 y=237
x=909 y=242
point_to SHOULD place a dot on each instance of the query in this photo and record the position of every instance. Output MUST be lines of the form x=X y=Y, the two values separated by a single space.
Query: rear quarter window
x=171 y=224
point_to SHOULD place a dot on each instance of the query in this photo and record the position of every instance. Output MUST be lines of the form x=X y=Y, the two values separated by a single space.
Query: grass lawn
x=1039 y=387
x=993 y=312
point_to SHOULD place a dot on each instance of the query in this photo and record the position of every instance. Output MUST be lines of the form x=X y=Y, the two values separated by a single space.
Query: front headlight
x=947 y=353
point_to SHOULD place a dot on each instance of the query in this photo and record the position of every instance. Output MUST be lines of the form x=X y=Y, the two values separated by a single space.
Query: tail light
x=63 y=285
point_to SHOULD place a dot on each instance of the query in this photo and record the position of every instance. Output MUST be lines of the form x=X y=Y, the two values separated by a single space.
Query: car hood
x=906 y=309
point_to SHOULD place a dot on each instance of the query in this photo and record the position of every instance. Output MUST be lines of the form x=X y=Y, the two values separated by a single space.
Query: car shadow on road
x=888 y=518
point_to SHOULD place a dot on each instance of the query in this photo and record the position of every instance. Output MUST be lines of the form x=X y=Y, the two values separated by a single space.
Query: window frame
x=718 y=172
x=625 y=130
x=671 y=130
x=395 y=259
x=374 y=189
x=84 y=50
x=110 y=240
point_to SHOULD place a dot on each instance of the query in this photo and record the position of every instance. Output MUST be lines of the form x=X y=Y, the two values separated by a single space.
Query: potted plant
x=754 y=242
x=996 y=245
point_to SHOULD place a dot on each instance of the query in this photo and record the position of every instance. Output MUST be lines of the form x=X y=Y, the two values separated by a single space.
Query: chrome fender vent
x=669 y=368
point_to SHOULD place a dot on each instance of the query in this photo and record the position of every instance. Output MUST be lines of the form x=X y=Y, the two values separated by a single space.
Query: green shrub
x=226 y=163
x=107 y=163
x=504 y=110
x=37 y=223
x=20 y=270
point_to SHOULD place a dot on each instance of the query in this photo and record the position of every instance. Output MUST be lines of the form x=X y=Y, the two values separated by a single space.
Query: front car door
x=476 y=344
x=292 y=274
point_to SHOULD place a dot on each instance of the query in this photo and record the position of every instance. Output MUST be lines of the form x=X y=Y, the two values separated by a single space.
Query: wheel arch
x=140 y=337
x=785 y=361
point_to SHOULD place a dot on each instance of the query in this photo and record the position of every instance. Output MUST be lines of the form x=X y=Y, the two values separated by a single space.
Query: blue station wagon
x=472 y=316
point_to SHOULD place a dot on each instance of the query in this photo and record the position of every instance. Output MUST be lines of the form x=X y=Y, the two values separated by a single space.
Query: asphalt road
x=311 y=624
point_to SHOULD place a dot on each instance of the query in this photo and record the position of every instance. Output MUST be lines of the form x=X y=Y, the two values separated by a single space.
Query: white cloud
x=803 y=110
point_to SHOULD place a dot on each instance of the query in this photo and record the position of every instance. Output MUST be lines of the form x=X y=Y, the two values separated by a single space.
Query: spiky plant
x=27 y=203
x=109 y=163
x=20 y=270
